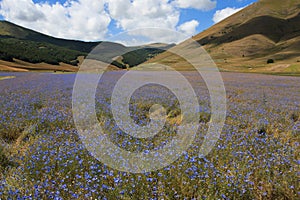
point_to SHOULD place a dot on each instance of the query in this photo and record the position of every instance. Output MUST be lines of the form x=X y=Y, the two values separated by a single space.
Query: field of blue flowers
x=257 y=156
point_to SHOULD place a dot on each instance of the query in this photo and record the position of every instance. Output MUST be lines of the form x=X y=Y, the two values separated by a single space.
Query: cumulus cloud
x=142 y=14
x=132 y=15
x=82 y=19
x=26 y=10
x=143 y=36
x=89 y=19
x=189 y=28
x=222 y=14
x=197 y=4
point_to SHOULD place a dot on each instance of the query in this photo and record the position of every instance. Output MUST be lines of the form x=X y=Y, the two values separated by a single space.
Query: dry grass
x=21 y=66
x=246 y=40
x=6 y=77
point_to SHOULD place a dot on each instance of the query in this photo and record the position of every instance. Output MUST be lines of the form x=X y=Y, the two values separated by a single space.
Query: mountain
x=127 y=57
x=25 y=49
x=245 y=41
x=8 y=29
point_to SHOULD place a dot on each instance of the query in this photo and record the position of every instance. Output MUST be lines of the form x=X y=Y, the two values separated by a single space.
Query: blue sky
x=92 y=20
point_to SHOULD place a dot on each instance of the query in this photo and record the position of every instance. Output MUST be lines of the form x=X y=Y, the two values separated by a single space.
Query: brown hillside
x=267 y=29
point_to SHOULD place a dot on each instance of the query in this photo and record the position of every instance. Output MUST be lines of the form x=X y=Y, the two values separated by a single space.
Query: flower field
x=256 y=157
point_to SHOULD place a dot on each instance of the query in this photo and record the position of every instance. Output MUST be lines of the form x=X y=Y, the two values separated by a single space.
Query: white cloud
x=196 y=4
x=89 y=19
x=154 y=35
x=134 y=15
x=222 y=14
x=189 y=28
x=83 y=19
x=141 y=14
x=26 y=10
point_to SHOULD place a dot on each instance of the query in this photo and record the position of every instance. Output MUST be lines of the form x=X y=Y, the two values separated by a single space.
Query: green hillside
x=37 y=52
x=30 y=46
x=8 y=29
x=24 y=44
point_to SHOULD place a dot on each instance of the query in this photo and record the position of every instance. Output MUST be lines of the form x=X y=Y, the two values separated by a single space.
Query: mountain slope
x=9 y=29
x=22 y=44
x=267 y=29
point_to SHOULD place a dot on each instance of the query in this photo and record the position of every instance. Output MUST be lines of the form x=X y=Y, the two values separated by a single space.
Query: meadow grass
x=294 y=68
x=256 y=157
x=6 y=77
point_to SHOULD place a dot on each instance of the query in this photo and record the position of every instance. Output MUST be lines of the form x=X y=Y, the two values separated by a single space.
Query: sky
x=127 y=21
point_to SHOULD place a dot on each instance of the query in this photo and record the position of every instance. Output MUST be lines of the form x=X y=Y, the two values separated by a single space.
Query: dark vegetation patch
x=36 y=52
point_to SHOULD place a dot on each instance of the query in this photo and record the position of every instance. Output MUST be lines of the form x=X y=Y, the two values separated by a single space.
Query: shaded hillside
x=37 y=52
x=126 y=57
x=12 y=30
x=275 y=29
x=267 y=29
x=23 y=44
x=267 y=9
x=30 y=46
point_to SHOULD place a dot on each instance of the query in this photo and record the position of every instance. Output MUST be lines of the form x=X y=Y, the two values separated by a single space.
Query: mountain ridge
x=20 y=45
x=13 y=30
x=244 y=42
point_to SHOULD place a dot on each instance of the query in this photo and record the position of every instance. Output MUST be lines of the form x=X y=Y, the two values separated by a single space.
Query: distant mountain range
x=24 y=49
x=268 y=30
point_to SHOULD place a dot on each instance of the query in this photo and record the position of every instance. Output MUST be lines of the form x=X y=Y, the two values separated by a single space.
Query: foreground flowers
x=257 y=156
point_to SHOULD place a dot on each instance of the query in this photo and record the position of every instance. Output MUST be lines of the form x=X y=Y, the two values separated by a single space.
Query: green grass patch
x=295 y=68
x=6 y=77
